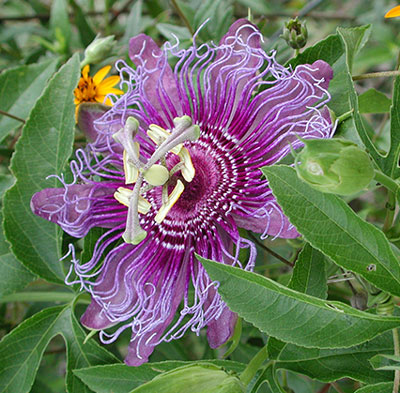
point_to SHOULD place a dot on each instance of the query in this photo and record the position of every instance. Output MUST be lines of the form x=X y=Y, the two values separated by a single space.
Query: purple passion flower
x=172 y=169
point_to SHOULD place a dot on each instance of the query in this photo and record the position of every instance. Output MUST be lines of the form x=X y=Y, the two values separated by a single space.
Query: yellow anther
x=172 y=199
x=158 y=135
x=131 y=172
x=156 y=175
x=187 y=171
x=123 y=195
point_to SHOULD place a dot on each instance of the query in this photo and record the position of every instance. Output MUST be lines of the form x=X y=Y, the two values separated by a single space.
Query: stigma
x=154 y=172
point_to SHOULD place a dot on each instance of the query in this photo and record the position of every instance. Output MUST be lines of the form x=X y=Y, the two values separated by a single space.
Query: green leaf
x=392 y=158
x=19 y=89
x=120 y=378
x=385 y=362
x=168 y=31
x=332 y=227
x=59 y=24
x=373 y=101
x=354 y=39
x=329 y=50
x=328 y=365
x=292 y=316
x=267 y=381
x=309 y=273
x=85 y=31
x=22 y=349
x=14 y=276
x=134 y=22
x=386 y=387
x=42 y=150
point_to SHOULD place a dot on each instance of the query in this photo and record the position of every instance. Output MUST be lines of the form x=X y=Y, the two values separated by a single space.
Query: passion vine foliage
x=199 y=196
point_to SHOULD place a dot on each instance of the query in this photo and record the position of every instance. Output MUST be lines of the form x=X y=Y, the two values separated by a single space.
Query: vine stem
x=396 y=381
x=182 y=16
x=42 y=296
x=370 y=75
x=12 y=116
x=250 y=371
x=386 y=181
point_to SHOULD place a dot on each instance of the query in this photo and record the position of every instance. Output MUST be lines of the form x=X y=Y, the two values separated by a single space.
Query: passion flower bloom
x=173 y=170
x=96 y=88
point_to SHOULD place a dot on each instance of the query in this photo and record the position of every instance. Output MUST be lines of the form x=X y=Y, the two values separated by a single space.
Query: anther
x=172 y=199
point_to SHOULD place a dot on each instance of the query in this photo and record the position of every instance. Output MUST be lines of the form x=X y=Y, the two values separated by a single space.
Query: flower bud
x=98 y=50
x=334 y=166
x=295 y=33
x=194 y=378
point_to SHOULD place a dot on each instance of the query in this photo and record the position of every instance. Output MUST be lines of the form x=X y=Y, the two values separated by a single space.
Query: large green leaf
x=385 y=387
x=391 y=166
x=309 y=273
x=43 y=150
x=385 y=362
x=373 y=101
x=19 y=89
x=14 y=275
x=292 y=316
x=22 y=349
x=329 y=50
x=120 y=378
x=353 y=39
x=331 y=364
x=332 y=227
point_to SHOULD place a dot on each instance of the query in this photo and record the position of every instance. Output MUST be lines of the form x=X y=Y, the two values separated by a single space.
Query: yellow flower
x=95 y=89
x=393 y=12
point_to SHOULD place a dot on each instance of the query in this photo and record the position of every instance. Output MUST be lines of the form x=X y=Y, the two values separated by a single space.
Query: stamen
x=123 y=195
x=125 y=137
x=187 y=170
x=179 y=135
x=172 y=199
x=157 y=175
x=159 y=135
x=134 y=233
x=131 y=172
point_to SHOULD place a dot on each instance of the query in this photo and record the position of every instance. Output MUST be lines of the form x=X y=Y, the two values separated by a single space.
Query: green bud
x=295 y=33
x=334 y=166
x=98 y=50
x=193 y=378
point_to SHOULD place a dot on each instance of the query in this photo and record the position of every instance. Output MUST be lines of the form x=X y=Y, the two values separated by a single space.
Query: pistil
x=154 y=171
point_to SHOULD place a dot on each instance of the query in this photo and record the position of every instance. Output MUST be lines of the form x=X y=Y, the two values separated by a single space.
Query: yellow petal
x=393 y=12
x=100 y=75
x=111 y=81
x=85 y=71
x=100 y=98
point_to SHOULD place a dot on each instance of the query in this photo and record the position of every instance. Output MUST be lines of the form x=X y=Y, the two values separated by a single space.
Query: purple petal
x=88 y=113
x=140 y=348
x=72 y=208
x=269 y=221
x=220 y=330
x=159 y=95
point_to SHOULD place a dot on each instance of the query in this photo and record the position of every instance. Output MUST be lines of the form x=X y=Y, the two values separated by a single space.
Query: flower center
x=154 y=171
x=86 y=90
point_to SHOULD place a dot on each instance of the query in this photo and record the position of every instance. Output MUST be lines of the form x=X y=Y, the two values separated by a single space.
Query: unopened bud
x=194 y=378
x=334 y=166
x=98 y=50
x=295 y=33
